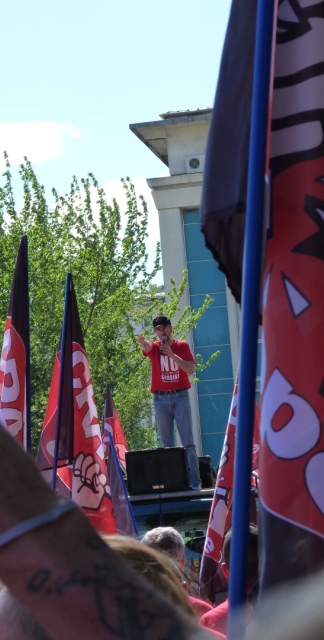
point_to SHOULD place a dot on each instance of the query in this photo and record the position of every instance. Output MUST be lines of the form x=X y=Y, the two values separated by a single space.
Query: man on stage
x=172 y=363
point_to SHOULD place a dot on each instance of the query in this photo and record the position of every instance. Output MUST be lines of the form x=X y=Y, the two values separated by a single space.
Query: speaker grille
x=207 y=473
x=157 y=470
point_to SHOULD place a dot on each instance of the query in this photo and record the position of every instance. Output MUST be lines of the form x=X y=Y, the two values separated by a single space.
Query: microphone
x=163 y=341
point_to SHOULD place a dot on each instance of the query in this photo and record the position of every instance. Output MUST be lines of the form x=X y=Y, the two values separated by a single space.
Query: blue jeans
x=176 y=407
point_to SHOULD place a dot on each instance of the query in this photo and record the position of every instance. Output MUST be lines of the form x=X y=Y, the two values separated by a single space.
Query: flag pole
x=27 y=346
x=59 y=402
x=250 y=307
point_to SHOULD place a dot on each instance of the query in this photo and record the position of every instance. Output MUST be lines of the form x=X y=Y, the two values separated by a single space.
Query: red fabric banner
x=81 y=468
x=223 y=489
x=112 y=424
x=291 y=514
x=13 y=355
x=220 y=514
x=292 y=402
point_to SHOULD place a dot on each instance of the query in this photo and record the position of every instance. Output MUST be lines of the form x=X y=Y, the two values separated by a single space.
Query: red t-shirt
x=217 y=618
x=166 y=374
x=200 y=606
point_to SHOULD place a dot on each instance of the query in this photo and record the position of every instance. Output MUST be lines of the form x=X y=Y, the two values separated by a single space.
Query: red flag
x=71 y=439
x=220 y=514
x=123 y=512
x=115 y=446
x=112 y=424
x=292 y=404
x=292 y=401
x=15 y=348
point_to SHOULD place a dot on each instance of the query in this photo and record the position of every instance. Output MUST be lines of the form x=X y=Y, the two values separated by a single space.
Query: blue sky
x=76 y=74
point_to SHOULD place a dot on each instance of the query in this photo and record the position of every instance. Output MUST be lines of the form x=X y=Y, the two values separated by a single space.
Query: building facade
x=179 y=140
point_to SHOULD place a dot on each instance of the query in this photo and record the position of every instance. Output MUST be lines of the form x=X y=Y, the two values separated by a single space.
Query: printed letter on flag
x=292 y=402
x=13 y=386
x=75 y=447
x=113 y=425
x=220 y=514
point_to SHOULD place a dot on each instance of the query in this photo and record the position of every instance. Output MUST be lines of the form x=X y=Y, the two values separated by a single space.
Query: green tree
x=106 y=253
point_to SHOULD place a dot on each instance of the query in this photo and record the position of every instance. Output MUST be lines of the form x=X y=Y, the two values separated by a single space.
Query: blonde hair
x=153 y=566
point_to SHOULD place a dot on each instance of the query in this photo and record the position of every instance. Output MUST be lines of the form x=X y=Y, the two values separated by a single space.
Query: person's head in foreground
x=169 y=541
x=154 y=566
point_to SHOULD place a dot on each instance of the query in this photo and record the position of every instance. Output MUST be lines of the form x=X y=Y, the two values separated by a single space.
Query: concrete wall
x=180 y=145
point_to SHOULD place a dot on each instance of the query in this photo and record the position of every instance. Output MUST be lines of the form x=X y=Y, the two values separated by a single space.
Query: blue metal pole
x=28 y=389
x=250 y=310
x=59 y=402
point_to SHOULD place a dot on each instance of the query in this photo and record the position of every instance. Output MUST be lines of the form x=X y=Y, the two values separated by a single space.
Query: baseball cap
x=161 y=321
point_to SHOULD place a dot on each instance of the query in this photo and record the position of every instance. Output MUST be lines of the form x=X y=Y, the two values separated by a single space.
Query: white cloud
x=39 y=140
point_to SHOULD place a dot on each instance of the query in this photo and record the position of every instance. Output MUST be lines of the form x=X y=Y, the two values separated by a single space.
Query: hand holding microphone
x=163 y=341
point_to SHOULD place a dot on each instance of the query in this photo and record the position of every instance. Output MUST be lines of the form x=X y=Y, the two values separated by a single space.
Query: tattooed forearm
x=125 y=609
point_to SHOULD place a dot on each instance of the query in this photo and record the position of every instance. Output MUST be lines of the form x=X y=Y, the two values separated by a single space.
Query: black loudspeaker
x=207 y=473
x=157 y=470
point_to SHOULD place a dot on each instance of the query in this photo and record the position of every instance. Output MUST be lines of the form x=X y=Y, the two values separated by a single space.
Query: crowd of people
x=62 y=580
x=73 y=583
